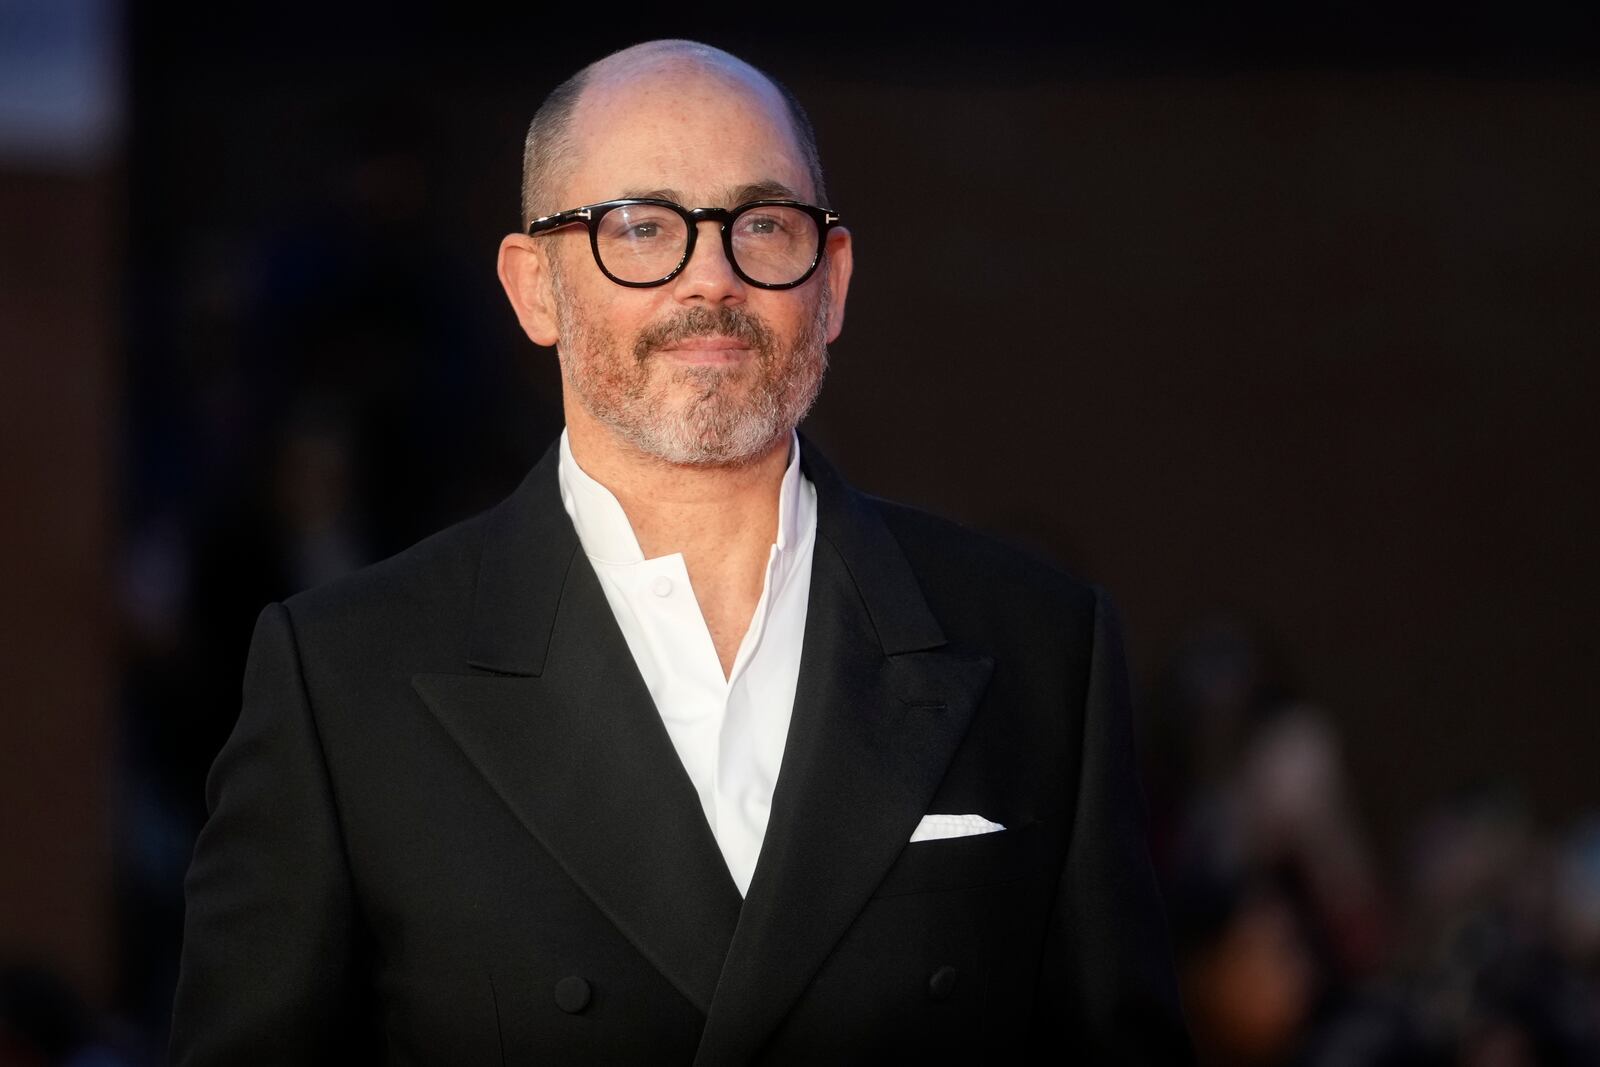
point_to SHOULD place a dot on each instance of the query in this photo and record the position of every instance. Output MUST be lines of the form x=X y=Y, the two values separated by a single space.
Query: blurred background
x=1280 y=324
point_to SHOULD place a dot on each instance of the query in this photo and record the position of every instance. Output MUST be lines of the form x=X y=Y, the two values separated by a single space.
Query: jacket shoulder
x=419 y=597
x=954 y=562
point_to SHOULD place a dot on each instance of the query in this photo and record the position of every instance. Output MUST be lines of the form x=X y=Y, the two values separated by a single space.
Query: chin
x=680 y=442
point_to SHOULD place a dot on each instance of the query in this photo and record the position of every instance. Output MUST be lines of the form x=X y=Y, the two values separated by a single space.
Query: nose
x=708 y=277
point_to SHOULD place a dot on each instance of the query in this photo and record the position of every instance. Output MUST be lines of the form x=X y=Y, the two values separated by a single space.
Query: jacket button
x=572 y=994
x=943 y=983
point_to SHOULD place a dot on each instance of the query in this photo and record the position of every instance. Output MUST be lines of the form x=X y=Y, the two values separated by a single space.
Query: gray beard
x=714 y=426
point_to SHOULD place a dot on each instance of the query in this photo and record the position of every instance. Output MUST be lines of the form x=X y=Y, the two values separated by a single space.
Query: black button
x=572 y=994
x=943 y=983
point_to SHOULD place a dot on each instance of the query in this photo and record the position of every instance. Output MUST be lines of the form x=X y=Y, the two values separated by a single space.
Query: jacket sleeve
x=1107 y=991
x=269 y=958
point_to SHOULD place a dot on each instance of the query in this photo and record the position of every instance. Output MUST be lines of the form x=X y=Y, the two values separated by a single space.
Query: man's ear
x=839 y=264
x=525 y=276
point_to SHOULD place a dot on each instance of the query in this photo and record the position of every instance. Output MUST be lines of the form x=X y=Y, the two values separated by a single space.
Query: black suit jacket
x=450 y=827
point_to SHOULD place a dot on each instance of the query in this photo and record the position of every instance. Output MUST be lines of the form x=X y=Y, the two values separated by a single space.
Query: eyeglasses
x=772 y=244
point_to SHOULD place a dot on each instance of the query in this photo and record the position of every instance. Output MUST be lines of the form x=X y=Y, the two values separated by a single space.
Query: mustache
x=694 y=322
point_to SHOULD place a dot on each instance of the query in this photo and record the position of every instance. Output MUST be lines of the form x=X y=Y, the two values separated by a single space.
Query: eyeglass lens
x=773 y=245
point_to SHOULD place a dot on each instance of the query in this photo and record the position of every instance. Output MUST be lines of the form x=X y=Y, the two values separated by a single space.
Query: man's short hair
x=547 y=153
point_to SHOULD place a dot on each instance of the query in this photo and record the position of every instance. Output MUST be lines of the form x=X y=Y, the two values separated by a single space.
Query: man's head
x=705 y=369
x=547 y=154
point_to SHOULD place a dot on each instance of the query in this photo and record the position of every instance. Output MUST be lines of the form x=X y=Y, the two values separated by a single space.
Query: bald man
x=686 y=752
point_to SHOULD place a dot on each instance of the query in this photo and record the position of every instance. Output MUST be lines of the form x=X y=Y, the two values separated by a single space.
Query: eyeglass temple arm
x=559 y=219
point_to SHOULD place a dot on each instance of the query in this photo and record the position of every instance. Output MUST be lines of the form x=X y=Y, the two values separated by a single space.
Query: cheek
x=809 y=324
x=594 y=330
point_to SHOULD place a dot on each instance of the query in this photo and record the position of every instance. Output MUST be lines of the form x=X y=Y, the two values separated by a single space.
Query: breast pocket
x=1007 y=855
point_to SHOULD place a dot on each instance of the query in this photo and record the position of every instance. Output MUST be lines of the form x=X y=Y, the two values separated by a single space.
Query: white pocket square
x=938 y=827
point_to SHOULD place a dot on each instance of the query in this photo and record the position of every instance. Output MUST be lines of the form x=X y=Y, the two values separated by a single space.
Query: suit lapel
x=558 y=722
x=880 y=709
x=567 y=735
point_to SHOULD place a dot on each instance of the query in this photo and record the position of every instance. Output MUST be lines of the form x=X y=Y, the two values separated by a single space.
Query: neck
x=704 y=512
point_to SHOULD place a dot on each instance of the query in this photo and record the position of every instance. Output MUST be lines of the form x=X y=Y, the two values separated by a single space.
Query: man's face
x=704 y=370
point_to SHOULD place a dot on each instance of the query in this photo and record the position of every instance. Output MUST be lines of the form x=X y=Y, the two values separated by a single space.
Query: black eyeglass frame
x=591 y=214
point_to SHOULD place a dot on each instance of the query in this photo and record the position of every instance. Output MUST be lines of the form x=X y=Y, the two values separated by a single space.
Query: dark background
x=1283 y=327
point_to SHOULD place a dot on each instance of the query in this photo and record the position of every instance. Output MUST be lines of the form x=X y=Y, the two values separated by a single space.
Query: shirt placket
x=742 y=792
x=694 y=696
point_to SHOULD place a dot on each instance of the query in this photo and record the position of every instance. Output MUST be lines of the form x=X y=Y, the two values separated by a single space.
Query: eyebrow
x=763 y=190
x=766 y=189
x=641 y=193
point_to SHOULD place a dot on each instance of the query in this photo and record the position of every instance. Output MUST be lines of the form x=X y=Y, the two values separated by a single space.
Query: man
x=686 y=752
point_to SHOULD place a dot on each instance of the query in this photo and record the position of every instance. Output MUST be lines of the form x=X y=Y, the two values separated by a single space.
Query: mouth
x=707 y=350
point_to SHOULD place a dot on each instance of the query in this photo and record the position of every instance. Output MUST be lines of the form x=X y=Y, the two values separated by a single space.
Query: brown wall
x=57 y=429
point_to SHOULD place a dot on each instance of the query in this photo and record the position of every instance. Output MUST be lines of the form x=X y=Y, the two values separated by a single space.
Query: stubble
x=703 y=416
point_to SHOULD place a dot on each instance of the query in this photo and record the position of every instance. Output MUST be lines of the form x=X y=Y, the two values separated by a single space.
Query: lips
x=707 y=344
x=719 y=349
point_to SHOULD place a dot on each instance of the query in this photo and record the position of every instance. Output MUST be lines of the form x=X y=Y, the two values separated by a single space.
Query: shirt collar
x=607 y=536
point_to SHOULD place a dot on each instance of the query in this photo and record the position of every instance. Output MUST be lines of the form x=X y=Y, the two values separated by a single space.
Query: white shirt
x=729 y=732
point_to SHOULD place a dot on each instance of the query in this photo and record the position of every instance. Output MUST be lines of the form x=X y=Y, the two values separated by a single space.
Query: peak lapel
x=567 y=735
x=878 y=714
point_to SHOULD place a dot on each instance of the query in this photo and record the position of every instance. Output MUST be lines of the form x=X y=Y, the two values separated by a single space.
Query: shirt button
x=942 y=983
x=662 y=586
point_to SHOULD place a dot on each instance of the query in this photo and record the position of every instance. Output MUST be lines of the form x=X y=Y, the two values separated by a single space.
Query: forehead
x=697 y=133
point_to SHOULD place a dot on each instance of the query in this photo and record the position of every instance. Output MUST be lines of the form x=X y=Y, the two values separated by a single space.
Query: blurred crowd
x=1297 y=946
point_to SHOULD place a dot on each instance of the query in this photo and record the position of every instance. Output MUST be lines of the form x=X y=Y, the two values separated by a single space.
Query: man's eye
x=762 y=226
x=643 y=231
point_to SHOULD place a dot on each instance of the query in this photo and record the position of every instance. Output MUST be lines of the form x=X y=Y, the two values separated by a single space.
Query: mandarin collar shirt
x=728 y=731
